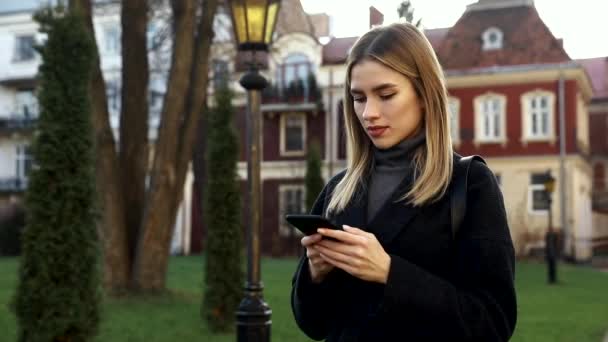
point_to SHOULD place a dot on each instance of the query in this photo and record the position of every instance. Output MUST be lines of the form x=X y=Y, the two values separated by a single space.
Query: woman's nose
x=371 y=111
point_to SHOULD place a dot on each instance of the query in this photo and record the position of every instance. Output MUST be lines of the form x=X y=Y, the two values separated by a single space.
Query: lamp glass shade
x=254 y=22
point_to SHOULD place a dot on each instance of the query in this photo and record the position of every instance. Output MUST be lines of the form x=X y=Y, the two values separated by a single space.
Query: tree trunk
x=112 y=228
x=183 y=104
x=133 y=153
x=152 y=252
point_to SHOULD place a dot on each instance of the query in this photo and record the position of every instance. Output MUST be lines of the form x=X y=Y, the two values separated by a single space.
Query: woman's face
x=385 y=103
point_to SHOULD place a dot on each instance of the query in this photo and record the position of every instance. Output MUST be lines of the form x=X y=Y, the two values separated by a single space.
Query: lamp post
x=551 y=236
x=253 y=22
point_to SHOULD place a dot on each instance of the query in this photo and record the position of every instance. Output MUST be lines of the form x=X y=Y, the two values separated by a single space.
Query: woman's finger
x=335 y=255
x=342 y=236
x=311 y=239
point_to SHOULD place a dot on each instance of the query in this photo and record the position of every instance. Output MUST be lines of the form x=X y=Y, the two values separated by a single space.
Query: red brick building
x=514 y=93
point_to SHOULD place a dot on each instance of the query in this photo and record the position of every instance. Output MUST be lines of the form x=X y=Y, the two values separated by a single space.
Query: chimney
x=376 y=18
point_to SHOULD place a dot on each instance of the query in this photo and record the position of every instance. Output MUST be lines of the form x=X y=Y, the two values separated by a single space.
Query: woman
x=396 y=273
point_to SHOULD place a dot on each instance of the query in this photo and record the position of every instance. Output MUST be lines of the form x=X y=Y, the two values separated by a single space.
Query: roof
x=436 y=36
x=527 y=40
x=597 y=69
x=336 y=50
x=292 y=18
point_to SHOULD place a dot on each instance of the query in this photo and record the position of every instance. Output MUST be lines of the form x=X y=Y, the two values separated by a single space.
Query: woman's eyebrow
x=376 y=88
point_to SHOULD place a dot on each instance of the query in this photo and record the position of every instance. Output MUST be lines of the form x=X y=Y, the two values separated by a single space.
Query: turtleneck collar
x=398 y=156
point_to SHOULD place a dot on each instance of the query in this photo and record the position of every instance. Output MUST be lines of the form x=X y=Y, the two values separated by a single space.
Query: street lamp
x=253 y=22
x=551 y=236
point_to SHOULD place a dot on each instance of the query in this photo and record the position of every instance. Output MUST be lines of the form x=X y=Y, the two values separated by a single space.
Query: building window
x=599 y=177
x=220 y=73
x=112 y=38
x=490 y=118
x=24 y=48
x=291 y=201
x=537 y=198
x=454 y=112
x=492 y=39
x=537 y=115
x=293 y=76
x=23 y=163
x=113 y=94
x=27 y=104
x=293 y=134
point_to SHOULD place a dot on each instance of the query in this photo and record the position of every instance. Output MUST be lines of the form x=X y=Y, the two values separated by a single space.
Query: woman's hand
x=318 y=267
x=356 y=252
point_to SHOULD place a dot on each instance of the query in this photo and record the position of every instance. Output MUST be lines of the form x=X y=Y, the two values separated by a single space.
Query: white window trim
x=452 y=100
x=531 y=189
x=502 y=138
x=487 y=45
x=526 y=114
x=21 y=157
x=286 y=230
x=283 y=138
x=105 y=28
x=18 y=34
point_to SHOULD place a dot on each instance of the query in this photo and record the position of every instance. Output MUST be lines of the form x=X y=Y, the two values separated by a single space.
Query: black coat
x=438 y=288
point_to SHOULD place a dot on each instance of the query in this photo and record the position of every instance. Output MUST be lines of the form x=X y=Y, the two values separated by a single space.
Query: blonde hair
x=403 y=48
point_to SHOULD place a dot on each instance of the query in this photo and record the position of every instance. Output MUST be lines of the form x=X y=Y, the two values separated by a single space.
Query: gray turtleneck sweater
x=391 y=166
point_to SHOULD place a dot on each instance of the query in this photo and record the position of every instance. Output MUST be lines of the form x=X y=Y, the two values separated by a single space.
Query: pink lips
x=376 y=131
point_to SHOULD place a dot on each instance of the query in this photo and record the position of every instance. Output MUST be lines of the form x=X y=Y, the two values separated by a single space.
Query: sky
x=583 y=24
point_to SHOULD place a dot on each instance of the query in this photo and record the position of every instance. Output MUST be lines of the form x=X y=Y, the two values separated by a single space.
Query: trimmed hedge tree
x=313 y=180
x=222 y=210
x=59 y=292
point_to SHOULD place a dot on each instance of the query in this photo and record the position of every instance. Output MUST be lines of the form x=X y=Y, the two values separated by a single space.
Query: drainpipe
x=330 y=112
x=562 y=164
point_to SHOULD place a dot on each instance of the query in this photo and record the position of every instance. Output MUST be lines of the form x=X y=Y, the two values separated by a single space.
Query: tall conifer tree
x=58 y=293
x=313 y=179
x=223 y=274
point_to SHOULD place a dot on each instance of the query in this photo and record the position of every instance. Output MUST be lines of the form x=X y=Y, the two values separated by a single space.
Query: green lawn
x=575 y=310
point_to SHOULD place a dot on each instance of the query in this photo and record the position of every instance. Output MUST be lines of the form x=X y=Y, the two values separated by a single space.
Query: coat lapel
x=390 y=219
x=393 y=216
x=355 y=214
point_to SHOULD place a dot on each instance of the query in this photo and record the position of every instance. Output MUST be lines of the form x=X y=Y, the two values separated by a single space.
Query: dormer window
x=492 y=39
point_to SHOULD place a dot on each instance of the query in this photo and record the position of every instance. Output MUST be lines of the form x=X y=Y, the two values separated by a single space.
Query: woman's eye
x=386 y=97
x=359 y=99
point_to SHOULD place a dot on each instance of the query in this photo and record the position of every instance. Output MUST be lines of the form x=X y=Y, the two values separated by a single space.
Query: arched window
x=492 y=39
x=293 y=74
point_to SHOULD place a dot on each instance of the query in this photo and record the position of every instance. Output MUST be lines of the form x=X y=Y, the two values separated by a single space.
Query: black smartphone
x=308 y=224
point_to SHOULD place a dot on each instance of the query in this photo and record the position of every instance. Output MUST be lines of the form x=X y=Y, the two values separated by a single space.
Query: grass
x=574 y=310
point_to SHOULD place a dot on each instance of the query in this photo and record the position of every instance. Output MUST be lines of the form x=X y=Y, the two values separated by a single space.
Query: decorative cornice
x=483 y=5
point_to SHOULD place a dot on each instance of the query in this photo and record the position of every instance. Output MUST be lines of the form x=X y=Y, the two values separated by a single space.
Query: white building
x=18 y=104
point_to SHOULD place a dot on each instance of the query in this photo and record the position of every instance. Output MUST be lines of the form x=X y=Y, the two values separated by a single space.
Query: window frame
x=116 y=50
x=526 y=111
x=286 y=230
x=23 y=154
x=283 y=134
x=17 y=56
x=454 y=117
x=31 y=104
x=487 y=43
x=532 y=187
x=479 y=101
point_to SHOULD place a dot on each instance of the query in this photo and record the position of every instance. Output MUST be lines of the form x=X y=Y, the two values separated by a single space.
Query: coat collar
x=390 y=219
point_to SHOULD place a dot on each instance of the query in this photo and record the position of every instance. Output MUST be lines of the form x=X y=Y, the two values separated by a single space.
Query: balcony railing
x=296 y=92
x=12 y=185
x=17 y=123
